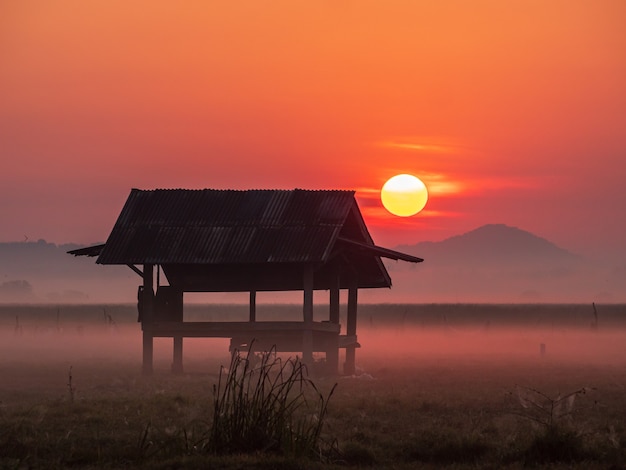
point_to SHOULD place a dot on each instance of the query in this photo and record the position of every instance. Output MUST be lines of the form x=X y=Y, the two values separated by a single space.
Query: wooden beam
x=352 y=310
x=263 y=277
x=148 y=293
x=308 y=295
x=350 y=365
x=334 y=299
x=136 y=269
x=332 y=357
x=282 y=343
x=177 y=364
x=348 y=340
x=147 y=353
x=332 y=354
x=307 y=337
x=202 y=329
x=252 y=305
x=380 y=251
x=147 y=318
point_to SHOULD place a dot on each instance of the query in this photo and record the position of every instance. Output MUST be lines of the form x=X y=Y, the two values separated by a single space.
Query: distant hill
x=499 y=263
x=44 y=272
x=493 y=245
x=43 y=259
x=493 y=263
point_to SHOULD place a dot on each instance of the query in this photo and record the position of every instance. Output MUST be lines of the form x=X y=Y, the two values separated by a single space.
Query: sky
x=511 y=112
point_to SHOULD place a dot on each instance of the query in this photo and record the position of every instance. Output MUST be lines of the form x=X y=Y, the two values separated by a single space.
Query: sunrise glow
x=500 y=109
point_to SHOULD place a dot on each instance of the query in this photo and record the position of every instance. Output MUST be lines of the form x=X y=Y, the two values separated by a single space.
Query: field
x=456 y=386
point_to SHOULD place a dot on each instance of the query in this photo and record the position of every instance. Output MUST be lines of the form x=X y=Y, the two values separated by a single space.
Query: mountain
x=44 y=272
x=499 y=263
x=493 y=245
x=41 y=259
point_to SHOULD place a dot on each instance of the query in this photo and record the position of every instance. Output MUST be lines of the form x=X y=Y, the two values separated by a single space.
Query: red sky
x=511 y=112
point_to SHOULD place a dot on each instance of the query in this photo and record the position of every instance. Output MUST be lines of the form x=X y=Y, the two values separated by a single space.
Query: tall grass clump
x=265 y=404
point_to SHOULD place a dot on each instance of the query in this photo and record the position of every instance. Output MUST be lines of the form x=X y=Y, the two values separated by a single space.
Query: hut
x=247 y=241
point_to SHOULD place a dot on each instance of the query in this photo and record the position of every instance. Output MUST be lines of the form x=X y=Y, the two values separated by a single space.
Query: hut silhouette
x=247 y=241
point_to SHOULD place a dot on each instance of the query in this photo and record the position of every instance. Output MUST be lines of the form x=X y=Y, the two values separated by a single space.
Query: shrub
x=555 y=444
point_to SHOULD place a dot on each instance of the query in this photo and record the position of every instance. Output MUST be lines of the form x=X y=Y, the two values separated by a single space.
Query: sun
x=404 y=195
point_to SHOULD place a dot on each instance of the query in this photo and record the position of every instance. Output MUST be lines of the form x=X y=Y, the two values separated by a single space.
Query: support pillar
x=334 y=301
x=350 y=365
x=332 y=354
x=147 y=353
x=177 y=364
x=147 y=318
x=252 y=306
x=307 y=335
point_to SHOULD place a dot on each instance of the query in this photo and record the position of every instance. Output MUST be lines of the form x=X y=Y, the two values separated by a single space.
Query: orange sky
x=511 y=112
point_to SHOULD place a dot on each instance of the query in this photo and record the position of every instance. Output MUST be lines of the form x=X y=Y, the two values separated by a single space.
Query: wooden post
x=332 y=353
x=307 y=335
x=334 y=300
x=350 y=365
x=177 y=364
x=147 y=353
x=252 y=306
x=147 y=318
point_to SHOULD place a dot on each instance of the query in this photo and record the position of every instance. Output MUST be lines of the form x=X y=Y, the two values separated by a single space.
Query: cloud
x=419 y=147
x=424 y=144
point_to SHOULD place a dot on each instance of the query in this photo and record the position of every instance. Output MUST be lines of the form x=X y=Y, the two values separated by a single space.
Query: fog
x=412 y=286
x=385 y=348
x=408 y=347
x=44 y=273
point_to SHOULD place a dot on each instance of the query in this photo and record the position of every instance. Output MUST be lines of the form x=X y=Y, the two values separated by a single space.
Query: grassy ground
x=429 y=394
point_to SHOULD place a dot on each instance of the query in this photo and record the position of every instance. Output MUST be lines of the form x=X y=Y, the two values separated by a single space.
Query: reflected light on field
x=412 y=346
x=121 y=346
x=388 y=347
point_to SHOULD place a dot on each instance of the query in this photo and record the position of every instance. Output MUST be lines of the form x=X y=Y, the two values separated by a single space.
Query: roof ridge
x=247 y=190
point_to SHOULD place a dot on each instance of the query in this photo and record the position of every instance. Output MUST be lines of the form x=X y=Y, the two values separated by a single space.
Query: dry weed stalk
x=545 y=410
x=70 y=386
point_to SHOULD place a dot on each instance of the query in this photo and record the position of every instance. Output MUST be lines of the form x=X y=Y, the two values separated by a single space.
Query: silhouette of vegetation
x=263 y=404
x=18 y=290
x=547 y=411
x=557 y=439
x=556 y=444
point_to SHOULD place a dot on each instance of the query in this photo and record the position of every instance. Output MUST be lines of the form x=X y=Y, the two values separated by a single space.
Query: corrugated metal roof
x=227 y=226
x=88 y=251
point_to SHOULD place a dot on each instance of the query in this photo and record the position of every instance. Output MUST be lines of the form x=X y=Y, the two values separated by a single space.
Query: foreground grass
x=457 y=414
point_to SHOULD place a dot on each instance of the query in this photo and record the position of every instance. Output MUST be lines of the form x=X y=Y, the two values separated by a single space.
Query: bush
x=556 y=444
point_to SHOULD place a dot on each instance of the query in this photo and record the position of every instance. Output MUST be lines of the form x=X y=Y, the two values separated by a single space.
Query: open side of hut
x=247 y=241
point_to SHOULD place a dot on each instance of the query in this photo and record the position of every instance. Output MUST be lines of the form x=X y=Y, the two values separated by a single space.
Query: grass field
x=456 y=386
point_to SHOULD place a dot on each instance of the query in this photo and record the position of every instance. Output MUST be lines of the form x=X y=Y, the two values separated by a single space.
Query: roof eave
x=90 y=251
x=381 y=251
